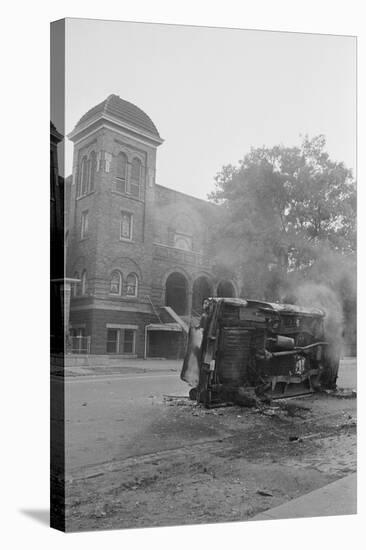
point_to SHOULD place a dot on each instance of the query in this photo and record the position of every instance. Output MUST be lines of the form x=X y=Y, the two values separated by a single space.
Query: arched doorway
x=176 y=293
x=226 y=290
x=201 y=291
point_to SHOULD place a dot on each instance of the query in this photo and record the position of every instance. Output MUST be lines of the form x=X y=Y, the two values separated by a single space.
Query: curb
x=336 y=499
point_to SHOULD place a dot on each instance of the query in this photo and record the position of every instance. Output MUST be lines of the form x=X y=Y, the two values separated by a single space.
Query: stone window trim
x=122 y=326
x=105 y=161
x=84 y=225
x=76 y=286
x=132 y=180
x=121 y=176
x=116 y=273
x=132 y=283
x=134 y=184
x=80 y=290
x=183 y=241
x=129 y=238
x=86 y=174
x=128 y=286
x=123 y=341
x=113 y=341
x=83 y=283
x=130 y=153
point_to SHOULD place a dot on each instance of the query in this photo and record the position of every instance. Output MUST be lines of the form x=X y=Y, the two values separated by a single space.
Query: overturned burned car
x=248 y=347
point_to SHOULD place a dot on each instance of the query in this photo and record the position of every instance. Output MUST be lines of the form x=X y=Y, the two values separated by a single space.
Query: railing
x=164 y=251
x=79 y=345
x=153 y=308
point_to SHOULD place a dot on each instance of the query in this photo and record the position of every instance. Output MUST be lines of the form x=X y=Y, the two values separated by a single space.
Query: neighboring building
x=56 y=247
x=140 y=250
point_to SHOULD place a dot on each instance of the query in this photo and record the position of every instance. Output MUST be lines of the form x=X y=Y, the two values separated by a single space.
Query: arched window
x=135 y=177
x=176 y=293
x=116 y=283
x=126 y=226
x=226 y=290
x=76 y=286
x=84 y=176
x=201 y=290
x=83 y=283
x=131 y=285
x=92 y=170
x=184 y=242
x=121 y=173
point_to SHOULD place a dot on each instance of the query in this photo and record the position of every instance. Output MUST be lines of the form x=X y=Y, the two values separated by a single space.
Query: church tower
x=110 y=239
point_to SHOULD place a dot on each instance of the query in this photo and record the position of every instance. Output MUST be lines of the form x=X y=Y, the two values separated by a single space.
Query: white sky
x=214 y=93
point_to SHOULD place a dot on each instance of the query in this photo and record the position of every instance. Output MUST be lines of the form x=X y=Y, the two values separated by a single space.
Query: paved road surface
x=118 y=416
x=348 y=373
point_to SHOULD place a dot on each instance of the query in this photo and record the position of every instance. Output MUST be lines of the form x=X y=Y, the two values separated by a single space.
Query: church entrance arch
x=226 y=290
x=176 y=292
x=201 y=290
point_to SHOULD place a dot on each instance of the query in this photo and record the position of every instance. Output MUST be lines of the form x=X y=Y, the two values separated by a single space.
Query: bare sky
x=214 y=93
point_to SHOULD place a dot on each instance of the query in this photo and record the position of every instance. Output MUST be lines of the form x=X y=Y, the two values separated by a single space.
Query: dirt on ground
x=240 y=462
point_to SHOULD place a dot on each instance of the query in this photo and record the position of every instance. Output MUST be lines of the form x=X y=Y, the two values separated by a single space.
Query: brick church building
x=140 y=251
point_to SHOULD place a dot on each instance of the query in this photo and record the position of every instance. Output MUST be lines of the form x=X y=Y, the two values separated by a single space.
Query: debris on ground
x=236 y=456
x=246 y=397
x=293 y=408
x=342 y=393
x=270 y=411
x=291 y=403
x=172 y=397
x=178 y=401
x=264 y=493
x=283 y=408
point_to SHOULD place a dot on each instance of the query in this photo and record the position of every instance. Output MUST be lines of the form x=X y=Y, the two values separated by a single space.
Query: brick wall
x=158 y=214
x=102 y=317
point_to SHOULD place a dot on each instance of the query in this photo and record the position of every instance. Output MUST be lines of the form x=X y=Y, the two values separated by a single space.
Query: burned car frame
x=248 y=347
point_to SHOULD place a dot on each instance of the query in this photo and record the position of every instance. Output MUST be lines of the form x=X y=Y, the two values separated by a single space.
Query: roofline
x=56 y=136
x=166 y=327
x=186 y=194
x=70 y=177
x=114 y=120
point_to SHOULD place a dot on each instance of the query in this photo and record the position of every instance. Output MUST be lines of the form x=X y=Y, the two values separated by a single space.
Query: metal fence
x=79 y=345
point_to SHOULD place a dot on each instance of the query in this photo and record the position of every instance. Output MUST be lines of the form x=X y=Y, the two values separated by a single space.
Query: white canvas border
x=25 y=263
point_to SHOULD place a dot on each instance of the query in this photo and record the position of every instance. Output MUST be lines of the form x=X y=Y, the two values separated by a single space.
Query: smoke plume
x=320 y=296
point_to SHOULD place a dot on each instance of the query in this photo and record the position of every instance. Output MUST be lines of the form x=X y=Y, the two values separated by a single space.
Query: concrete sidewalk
x=126 y=366
x=117 y=366
x=336 y=499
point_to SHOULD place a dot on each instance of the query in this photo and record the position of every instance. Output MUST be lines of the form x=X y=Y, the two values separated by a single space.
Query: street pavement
x=115 y=416
x=335 y=499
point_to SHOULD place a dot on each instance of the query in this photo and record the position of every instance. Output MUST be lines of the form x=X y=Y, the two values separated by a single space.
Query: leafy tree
x=279 y=210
